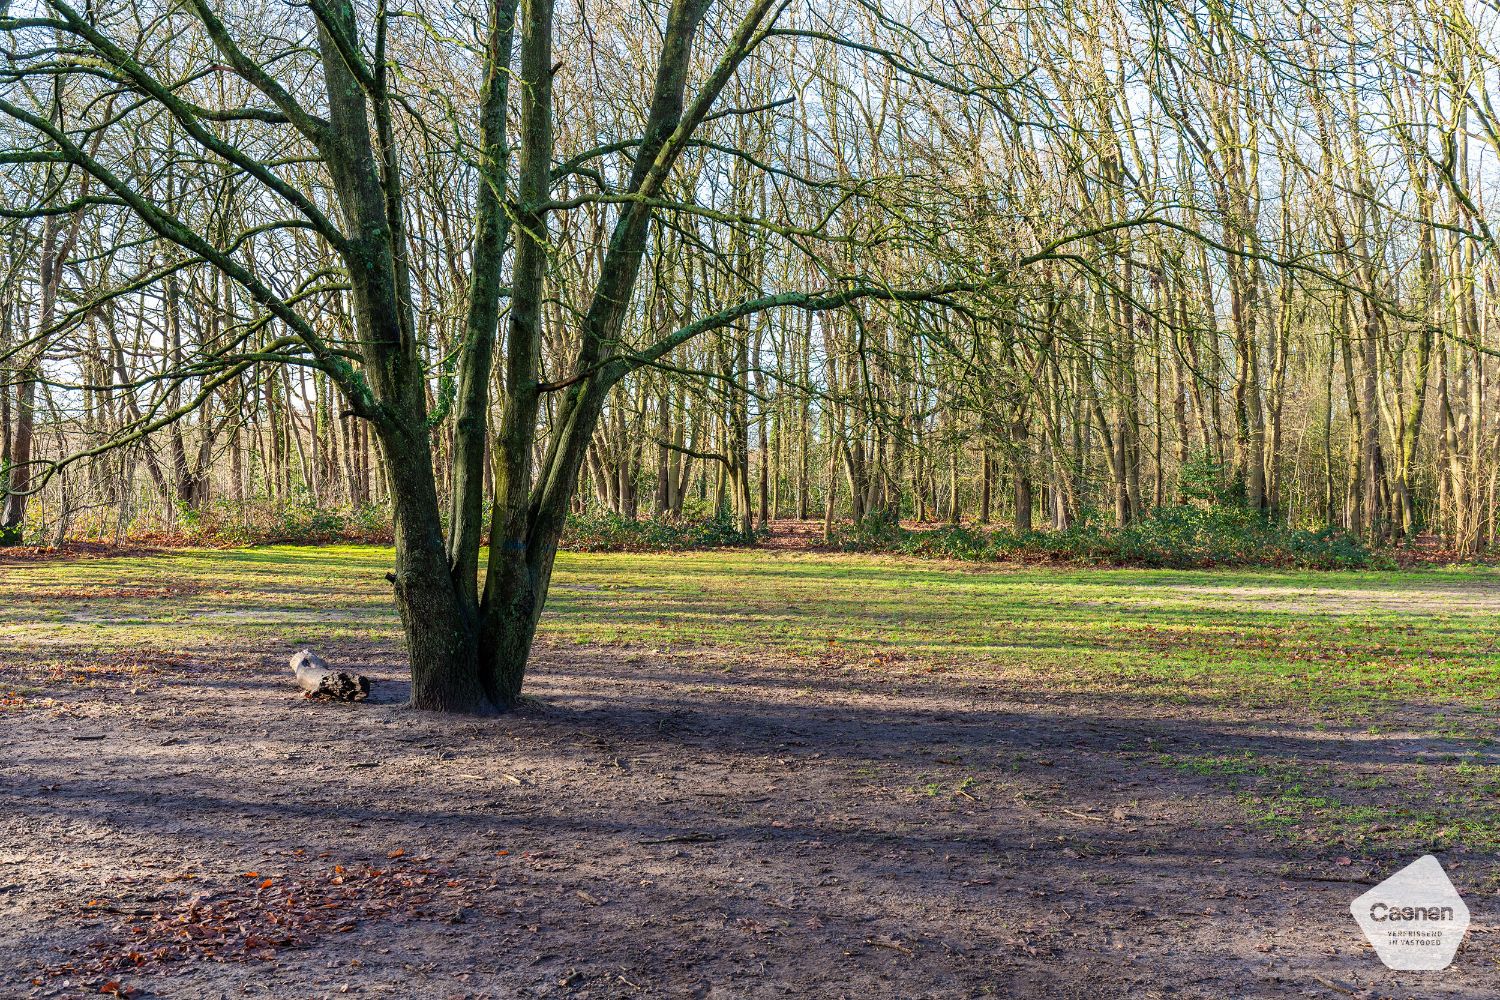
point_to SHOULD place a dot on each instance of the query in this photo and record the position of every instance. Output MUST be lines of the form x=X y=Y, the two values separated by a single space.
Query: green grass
x=1346 y=639
x=1335 y=648
x=1343 y=641
x=1358 y=808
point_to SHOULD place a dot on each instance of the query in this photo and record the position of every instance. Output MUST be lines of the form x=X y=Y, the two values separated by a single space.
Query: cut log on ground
x=318 y=679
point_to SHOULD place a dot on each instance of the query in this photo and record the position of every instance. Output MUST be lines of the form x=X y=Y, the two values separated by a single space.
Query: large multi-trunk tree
x=319 y=132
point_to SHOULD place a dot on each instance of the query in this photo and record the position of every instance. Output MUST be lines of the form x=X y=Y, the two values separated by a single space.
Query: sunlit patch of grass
x=1347 y=640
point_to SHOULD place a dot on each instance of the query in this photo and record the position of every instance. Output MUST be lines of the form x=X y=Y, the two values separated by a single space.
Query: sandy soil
x=684 y=825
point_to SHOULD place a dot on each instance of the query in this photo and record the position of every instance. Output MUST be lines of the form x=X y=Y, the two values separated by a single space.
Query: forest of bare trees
x=471 y=267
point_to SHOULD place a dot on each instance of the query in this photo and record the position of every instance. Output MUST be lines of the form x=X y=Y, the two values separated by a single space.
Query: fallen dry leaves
x=254 y=919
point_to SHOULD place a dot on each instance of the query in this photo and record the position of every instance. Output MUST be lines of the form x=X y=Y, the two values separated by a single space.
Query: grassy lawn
x=1341 y=641
x=1357 y=649
x=1344 y=640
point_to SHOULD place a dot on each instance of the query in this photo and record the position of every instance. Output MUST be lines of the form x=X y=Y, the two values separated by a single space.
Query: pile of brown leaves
x=257 y=918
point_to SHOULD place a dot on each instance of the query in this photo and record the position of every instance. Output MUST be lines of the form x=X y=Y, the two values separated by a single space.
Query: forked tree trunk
x=468 y=650
x=441 y=627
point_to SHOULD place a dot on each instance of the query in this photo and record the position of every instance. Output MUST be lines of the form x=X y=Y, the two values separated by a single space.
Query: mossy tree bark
x=469 y=647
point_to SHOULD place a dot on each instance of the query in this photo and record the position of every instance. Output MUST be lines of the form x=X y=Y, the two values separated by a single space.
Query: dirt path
x=687 y=825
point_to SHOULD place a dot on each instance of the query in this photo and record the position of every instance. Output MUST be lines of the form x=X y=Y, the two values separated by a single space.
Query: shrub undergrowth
x=302 y=520
x=603 y=531
x=1184 y=536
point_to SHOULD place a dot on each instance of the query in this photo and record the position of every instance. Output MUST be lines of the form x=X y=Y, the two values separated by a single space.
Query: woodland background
x=1268 y=282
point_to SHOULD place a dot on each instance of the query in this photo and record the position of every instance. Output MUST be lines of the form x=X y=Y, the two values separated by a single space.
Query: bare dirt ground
x=657 y=826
